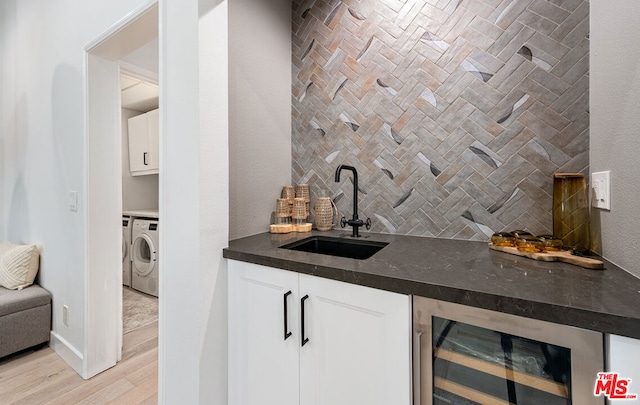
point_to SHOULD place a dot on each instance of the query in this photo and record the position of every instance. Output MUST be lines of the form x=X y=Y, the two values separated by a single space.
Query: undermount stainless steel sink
x=326 y=245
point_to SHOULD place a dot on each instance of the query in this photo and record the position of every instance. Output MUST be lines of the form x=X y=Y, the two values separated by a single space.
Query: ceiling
x=138 y=94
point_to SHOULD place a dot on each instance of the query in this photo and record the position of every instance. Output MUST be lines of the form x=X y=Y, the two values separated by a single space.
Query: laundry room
x=140 y=193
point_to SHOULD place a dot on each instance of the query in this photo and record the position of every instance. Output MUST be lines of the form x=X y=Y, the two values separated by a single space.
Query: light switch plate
x=601 y=190
x=73 y=201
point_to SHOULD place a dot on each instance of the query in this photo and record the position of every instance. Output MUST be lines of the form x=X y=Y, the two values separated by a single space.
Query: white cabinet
x=358 y=349
x=622 y=357
x=262 y=363
x=348 y=344
x=144 y=143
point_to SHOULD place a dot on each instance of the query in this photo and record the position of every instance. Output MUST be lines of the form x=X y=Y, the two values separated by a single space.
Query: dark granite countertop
x=468 y=273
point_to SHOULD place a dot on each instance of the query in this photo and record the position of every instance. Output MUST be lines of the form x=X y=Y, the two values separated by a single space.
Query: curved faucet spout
x=346 y=167
x=355 y=222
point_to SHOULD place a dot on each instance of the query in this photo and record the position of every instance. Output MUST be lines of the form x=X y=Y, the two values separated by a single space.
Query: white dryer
x=144 y=256
x=127 y=225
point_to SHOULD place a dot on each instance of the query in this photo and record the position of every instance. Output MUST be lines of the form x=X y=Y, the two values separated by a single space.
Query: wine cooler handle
x=417 y=368
x=303 y=339
x=287 y=334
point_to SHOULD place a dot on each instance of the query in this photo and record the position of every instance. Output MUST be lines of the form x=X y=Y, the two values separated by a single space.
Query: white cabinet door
x=137 y=142
x=622 y=357
x=359 y=349
x=144 y=143
x=263 y=361
x=153 y=126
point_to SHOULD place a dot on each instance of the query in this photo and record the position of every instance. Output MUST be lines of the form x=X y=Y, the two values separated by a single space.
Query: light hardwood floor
x=41 y=377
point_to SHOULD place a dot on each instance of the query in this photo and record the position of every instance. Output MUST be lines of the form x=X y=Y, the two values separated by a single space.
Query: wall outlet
x=601 y=190
x=65 y=315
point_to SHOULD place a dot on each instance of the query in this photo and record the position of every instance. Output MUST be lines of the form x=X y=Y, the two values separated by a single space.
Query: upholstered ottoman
x=25 y=318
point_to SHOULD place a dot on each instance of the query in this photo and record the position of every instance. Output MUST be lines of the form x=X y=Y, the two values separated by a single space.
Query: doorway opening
x=139 y=103
x=118 y=51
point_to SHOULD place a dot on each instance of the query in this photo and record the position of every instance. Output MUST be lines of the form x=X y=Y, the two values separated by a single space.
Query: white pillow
x=18 y=265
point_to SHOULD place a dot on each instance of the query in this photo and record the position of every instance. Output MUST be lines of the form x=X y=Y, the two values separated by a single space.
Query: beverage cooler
x=466 y=356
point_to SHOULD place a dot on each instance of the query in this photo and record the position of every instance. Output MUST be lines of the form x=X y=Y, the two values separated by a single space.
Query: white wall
x=259 y=111
x=7 y=94
x=44 y=143
x=615 y=124
x=137 y=191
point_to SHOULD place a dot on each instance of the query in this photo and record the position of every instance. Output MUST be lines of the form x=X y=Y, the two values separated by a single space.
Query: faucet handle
x=367 y=224
x=343 y=222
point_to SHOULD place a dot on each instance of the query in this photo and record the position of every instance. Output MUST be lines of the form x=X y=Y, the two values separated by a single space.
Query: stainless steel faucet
x=355 y=222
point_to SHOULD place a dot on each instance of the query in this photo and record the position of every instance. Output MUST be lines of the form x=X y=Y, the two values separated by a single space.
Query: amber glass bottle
x=571 y=212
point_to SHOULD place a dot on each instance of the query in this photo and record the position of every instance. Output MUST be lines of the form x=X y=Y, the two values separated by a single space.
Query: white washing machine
x=127 y=225
x=144 y=256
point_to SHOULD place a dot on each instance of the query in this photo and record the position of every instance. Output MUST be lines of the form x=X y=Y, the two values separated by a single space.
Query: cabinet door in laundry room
x=153 y=140
x=138 y=143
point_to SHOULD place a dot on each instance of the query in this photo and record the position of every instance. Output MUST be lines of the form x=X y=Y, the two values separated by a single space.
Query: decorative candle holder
x=529 y=244
x=551 y=243
x=503 y=239
x=323 y=213
x=302 y=191
x=288 y=193
x=300 y=215
x=299 y=210
x=283 y=211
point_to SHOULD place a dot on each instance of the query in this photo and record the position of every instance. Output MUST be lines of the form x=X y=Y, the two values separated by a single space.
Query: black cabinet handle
x=287 y=334
x=144 y=158
x=304 y=340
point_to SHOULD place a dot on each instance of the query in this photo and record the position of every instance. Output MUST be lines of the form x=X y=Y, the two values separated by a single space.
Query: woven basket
x=302 y=191
x=289 y=193
x=323 y=213
x=299 y=210
x=283 y=208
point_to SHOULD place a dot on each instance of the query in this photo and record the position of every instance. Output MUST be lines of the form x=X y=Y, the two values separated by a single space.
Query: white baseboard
x=69 y=354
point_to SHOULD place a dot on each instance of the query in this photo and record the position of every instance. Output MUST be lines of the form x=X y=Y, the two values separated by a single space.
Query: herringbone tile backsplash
x=456 y=113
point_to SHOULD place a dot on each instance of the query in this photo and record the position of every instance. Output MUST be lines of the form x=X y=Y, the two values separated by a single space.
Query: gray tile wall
x=455 y=113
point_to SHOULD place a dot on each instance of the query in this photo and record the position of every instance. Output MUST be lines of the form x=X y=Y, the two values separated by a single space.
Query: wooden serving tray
x=281 y=228
x=562 y=256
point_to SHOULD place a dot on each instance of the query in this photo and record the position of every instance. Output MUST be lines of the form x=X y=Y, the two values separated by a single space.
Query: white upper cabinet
x=144 y=143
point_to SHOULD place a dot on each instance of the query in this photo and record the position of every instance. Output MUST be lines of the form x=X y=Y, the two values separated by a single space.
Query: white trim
x=123 y=22
x=145 y=172
x=103 y=291
x=138 y=72
x=85 y=219
x=179 y=340
x=69 y=354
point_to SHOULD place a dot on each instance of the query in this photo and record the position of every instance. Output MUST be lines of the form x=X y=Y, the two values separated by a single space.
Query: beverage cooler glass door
x=468 y=356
